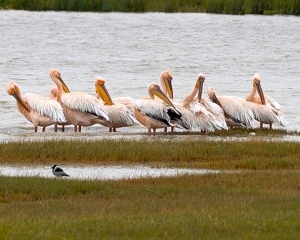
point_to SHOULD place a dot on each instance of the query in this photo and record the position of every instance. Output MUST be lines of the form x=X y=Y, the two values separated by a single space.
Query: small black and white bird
x=58 y=172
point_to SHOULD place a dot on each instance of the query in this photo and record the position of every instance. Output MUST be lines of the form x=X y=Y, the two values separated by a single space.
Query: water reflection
x=100 y=172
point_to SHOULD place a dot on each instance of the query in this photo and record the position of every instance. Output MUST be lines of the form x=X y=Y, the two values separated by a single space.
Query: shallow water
x=131 y=50
x=100 y=172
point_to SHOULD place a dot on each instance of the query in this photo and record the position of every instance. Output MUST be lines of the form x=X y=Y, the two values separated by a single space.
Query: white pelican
x=81 y=109
x=167 y=88
x=199 y=114
x=236 y=110
x=265 y=108
x=39 y=110
x=119 y=114
x=154 y=113
x=208 y=116
x=53 y=96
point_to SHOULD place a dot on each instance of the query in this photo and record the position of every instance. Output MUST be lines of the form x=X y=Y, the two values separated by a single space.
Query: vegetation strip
x=155 y=152
x=288 y=7
x=260 y=202
x=250 y=205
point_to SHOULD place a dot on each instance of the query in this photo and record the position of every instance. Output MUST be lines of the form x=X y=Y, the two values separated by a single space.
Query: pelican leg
x=261 y=125
x=149 y=131
x=154 y=131
x=75 y=128
x=114 y=129
x=35 y=129
x=270 y=125
x=165 y=129
x=63 y=128
x=79 y=128
x=172 y=129
x=110 y=129
x=55 y=128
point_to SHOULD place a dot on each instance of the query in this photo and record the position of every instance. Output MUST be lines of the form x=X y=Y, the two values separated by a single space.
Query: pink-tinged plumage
x=154 y=113
x=127 y=101
x=265 y=108
x=236 y=110
x=80 y=109
x=39 y=110
x=198 y=113
x=53 y=96
x=167 y=88
x=119 y=114
x=208 y=116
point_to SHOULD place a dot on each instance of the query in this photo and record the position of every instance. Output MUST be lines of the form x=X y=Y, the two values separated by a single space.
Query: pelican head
x=14 y=90
x=256 y=79
x=166 y=82
x=256 y=85
x=199 y=85
x=154 y=89
x=56 y=77
x=101 y=90
x=212 y=95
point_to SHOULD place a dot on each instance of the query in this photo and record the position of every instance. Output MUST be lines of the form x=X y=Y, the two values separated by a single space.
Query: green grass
x=197 y=152
x=261 y=201
x=252 y=205
x=290 y=7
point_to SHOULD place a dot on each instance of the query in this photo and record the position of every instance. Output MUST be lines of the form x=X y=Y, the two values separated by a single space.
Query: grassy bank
x=259 y=202
x=289 y=7
x=256 y=205
x=197 y=153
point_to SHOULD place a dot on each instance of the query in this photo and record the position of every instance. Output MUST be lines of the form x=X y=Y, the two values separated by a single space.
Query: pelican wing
x=119 y=113
x=205 y=118
x=263 y=113
x=154 y=108
x=217 y=112
x=197 y=122
x=84 y=102
x=45 y=107
x=236 y=110
x=127 y=101
x=273 y=103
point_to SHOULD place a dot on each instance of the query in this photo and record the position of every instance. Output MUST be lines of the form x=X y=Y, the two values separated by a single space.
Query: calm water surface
x=131 y=50
x=102 y=172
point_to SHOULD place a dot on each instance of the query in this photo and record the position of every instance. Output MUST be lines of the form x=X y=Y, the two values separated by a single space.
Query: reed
x=290 y=7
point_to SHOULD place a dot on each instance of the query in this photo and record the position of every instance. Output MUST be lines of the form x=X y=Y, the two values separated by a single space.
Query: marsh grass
x=197 y=152
x=260 y=201
x=291 y=7
x=250 y=205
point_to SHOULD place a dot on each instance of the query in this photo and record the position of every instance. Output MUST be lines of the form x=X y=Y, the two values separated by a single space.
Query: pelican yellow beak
x=216 y=100
x=168 y=83
x=13 y=90
x=199 y=85
x=159 y=93
x=64 y=86
x=19 y=100
x=261 y=93
x=102 y=92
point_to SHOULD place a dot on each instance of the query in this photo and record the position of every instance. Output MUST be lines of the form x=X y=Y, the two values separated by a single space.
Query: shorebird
x=58 y=172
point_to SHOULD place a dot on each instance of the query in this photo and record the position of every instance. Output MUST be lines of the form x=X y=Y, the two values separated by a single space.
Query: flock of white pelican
x=158 y=110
